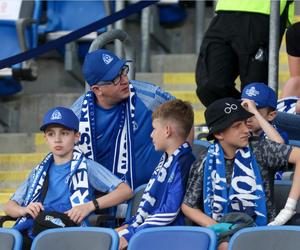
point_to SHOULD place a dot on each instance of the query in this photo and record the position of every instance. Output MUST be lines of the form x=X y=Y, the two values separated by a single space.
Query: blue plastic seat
x=174 y=238
x=266 y=238
x=10 y=239
x=72 y=15
x=18 y=36
x=77 y=238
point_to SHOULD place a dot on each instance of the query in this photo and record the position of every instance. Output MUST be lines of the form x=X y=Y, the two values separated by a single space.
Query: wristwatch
x=96 y=204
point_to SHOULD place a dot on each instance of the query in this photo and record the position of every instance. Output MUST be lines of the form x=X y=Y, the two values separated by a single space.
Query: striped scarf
x=245 y=192
x=77 y=181
x=123 y=161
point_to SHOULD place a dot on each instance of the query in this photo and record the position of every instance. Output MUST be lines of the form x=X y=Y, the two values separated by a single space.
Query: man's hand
x=122 y=243
x=78 y=213
x=33 y=209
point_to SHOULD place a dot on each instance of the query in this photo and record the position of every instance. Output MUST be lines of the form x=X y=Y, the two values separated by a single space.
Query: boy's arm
x=105 y=181
x=122 y=193
x=269 y=130
x=289 y=210
x=197 y=216
x=14 y=210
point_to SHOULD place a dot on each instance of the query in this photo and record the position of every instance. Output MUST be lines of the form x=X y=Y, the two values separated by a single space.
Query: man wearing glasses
x=115 y=118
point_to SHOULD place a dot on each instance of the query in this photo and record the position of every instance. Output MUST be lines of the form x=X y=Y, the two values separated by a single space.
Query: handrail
x=121 y=35
x=274 y=44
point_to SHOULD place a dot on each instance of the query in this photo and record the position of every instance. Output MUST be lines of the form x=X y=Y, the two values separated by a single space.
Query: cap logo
x=107 y=59
x=56 y=115
x=252 y=92
x=230 y=107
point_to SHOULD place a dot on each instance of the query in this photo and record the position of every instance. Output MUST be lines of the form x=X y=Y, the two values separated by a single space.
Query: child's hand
x=249 y=105
x=78 y=213
x=33 y=209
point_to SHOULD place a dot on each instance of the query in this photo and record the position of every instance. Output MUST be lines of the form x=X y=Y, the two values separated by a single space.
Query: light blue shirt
x=99 y=178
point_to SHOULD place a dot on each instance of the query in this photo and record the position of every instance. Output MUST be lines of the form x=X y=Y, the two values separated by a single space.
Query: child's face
x=61 y=141
x=253 y=124
x=158 y=134
x=236 y=136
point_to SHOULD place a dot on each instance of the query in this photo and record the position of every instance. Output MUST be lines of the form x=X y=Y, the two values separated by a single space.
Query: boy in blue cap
x=261 y=100
x=67 y=176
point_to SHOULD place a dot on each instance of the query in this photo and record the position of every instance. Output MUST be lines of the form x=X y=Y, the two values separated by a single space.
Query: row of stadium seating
x=160 y=238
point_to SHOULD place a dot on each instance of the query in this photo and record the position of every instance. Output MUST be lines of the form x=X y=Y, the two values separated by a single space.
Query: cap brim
x=227 y=123
x=44 y=127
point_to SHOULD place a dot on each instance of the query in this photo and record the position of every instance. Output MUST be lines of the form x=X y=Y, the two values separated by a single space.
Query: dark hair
x=178 y=111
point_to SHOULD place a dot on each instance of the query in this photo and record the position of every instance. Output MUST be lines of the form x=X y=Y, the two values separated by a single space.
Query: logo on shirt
x=252 y=92
x=56 y=115
x=107 y=59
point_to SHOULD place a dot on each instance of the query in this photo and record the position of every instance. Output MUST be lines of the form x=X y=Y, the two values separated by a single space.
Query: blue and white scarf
x=155 y=191
x=123 y=161
x=77 y=181
x=245 y=193
x=287 y=105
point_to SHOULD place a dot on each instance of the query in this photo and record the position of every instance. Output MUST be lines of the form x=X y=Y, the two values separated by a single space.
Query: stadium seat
x=77 y=238
x=173 y=238
x=133 y=204
x=289 y=123
x=18 y=32
x=10 y=239
x=266 y=238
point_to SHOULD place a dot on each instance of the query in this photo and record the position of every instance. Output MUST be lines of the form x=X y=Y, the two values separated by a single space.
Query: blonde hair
x=178 y=111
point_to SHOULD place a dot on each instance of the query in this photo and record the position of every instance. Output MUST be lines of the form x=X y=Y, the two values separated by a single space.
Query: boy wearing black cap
x=236 y=173
x=65 y=180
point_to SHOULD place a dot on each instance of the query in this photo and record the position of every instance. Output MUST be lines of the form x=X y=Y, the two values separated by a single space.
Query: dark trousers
x=235 y=44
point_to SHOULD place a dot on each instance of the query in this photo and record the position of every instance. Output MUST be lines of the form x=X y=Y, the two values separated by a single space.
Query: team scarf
x=287 y=105
x=245 y=193
x=77 y=182
x=123 y=161
x=156 y=189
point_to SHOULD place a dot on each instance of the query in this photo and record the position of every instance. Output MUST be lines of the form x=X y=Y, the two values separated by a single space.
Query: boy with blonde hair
x=160 y=203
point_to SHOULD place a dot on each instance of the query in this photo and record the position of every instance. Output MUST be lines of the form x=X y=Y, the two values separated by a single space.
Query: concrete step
x=20 y=161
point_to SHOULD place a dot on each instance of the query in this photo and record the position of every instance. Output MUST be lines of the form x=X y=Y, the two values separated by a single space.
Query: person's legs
x=216 y=72
x=291 y=87
x=223 y=246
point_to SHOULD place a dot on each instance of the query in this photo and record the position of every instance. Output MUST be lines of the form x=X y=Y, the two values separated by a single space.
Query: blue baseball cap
x=261 y=94
x=101 y=65
x=60 y=116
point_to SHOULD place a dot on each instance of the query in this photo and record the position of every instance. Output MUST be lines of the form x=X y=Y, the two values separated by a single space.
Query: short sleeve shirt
x=270 y=157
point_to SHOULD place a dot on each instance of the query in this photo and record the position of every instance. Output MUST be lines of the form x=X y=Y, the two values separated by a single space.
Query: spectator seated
x=18 y=32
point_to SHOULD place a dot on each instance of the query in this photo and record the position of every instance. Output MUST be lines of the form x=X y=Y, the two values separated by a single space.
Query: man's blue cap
x=261 y=94
x=60 y=116
x=101 y=65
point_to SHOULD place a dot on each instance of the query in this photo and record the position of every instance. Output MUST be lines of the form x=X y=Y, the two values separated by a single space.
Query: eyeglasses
x=123 y=72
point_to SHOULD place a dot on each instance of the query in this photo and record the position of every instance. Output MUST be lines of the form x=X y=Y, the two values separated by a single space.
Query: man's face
x=236 y=136
x=112 y=92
